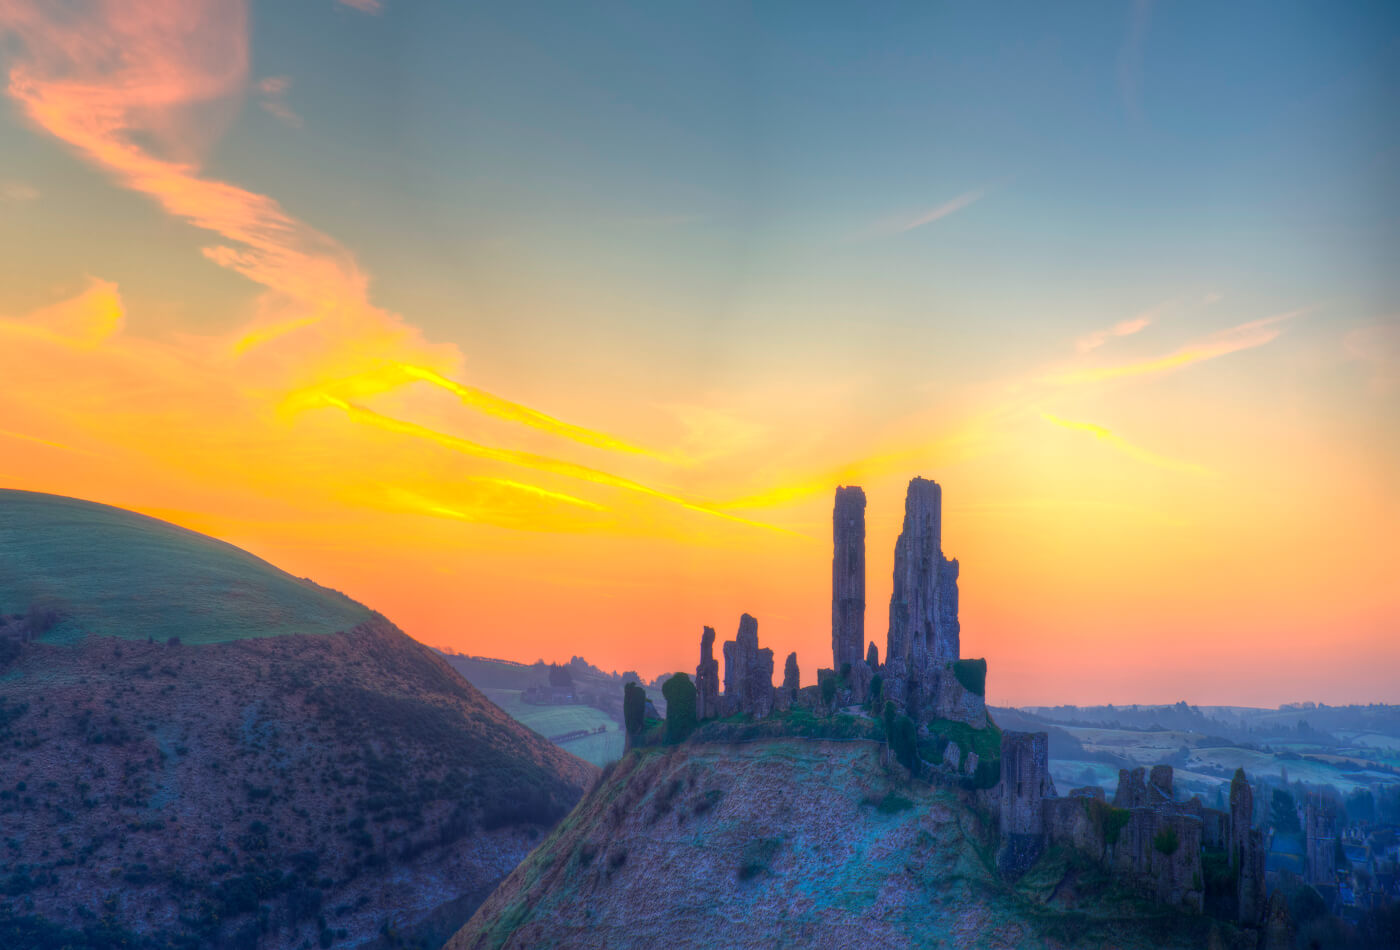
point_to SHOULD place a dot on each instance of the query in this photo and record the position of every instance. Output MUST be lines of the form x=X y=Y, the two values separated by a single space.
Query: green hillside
x=115 y=573
x=554 y=722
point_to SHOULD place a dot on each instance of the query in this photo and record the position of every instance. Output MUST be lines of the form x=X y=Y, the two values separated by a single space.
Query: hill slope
x=789 y=842
x=335 y=789
x=119 y=574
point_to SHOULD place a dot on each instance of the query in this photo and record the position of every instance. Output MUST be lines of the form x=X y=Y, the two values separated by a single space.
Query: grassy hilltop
x=99 y=569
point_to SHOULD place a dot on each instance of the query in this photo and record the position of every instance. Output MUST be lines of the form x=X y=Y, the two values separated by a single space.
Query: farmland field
x=551 y=721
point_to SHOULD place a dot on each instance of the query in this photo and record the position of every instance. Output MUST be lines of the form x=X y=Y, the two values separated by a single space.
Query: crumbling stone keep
x=748 y=672
x=923 y=641
x=707 y=678
x=848 y=577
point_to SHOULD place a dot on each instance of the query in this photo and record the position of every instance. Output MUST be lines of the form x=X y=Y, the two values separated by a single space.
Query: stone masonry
x=848 y=577
x=923 y=642
x=748 y=673
x=707 y=678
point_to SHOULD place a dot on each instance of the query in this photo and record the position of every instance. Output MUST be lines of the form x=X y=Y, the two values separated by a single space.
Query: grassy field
x=550 y=721
x=116 y=573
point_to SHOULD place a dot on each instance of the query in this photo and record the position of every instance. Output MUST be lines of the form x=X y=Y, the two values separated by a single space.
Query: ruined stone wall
x=707 y=678
x=1246 y=845
x=1025 y=779
x=1172 y=874
x=748 y=673
x=1132 y=789
x=848 y=577
x=1320 y=829
x=949 y=699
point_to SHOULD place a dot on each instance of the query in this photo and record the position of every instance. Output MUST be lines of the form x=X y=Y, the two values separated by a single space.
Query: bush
x=1109 y=820
x=634 y=707
x=906 y=743
x=680 y=707
x=972 y=674
x=1166 y=841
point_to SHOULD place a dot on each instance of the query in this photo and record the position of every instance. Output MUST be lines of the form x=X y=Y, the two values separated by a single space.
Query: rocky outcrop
x=707 y=678
x=872 y=656
x=848 y=578
x=748 y=673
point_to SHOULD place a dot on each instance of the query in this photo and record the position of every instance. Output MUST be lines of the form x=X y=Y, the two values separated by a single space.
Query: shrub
x=680 y=707
x=1166 y=841
x=972 y=674
x=758 y=854
x=906 y=742
x=634 y=707
x=1110 y=820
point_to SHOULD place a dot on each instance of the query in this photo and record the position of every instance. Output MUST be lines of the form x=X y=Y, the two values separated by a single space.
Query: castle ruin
x=1144 y=834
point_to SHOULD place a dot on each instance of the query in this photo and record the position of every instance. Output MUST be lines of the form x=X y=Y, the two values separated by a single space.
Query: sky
x=550 y=329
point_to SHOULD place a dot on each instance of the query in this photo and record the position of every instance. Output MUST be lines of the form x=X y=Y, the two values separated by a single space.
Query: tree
x=634 y=707
x=680 y=707
x=828 y=687
x=1283 y=811
x=889 y=722
x=559 y=676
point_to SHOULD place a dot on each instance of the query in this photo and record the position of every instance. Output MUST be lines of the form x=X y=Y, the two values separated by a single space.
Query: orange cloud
x=82 y=322
x=529 y=460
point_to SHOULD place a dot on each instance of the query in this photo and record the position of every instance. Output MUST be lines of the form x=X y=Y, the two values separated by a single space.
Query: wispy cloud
x=1377 y=347
x=1092 y=341
x=904 y=223
x=272 y=93
x=531 y=460
x=1243 y=337
x=945 y=209
x=17 y=192
x=1124 y=446
x=364 y=6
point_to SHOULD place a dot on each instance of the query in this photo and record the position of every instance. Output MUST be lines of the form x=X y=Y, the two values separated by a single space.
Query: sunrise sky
x=550 y=328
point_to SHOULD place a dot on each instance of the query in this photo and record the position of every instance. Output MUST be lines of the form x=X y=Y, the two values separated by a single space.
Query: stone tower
x=923 y=635
x=1320 y=829
x=848 y=578
x=707 y=678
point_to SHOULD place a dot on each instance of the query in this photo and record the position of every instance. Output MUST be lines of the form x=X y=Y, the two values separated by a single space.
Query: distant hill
x=294 y=771
x=1349 y=748
x=790 y=842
